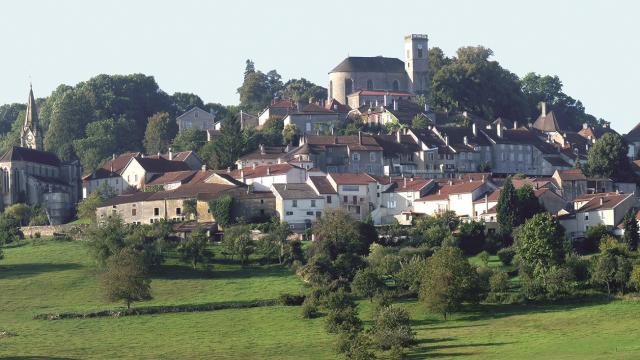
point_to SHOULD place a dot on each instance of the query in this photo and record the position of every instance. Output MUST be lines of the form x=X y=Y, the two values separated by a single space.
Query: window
x=310 y=213
x=345 y=199
x=308 y=127
x=261 y=201
x=294 y=203
x=348 y=87
x=313 y=203
x=133 y=212
x=357 y=209
x=156 y=211
x=355 y=199
x=586 y=216
x=195 y=114
x=420 y=51
x=430 y=156
x=408 y=54
x=328 y=199
x=289 y=212
x=151 y=221
x=178 y=211
x=369 y=84
x=372 y=157
x=355 y=156
x=135 y=177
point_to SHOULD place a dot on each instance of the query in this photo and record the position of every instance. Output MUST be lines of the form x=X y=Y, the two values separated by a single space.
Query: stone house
x=262 y=177
x=397 y=196
x=313 y=118
x=453 y=196
x=110 y=174
x=589 y=210
x=265 y=155
x=298 y=204
x=277 y=108
x=196 y=118
x=323 y=187
x=351 y=153
x=140 y=170
x=357 y=193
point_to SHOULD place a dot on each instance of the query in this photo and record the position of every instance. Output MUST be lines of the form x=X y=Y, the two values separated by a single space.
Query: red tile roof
x=604 y=201
x=283 y=103
x=337 y=106
x=351 y=178
x=322 y=184
x=261 y=171
x=161 y=165
x=460 y=188
x=571 y=174
x=411 y=184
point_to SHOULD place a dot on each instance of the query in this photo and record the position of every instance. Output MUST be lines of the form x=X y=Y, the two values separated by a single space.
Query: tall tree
x=631 y=236
x=194 y=249
x=448 y=280
x=70 y=115
x=527 y=204
x=186 y=101
x=125 y=278
x=190 y=140
x=608 y=156
x=102 y=139
x=506 y=209
x=227 y=146
x=158 y=133
x=540 y=246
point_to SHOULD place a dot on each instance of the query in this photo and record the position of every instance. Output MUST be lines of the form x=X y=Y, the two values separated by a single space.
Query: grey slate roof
x=370 y=64
x=17 y=153
x=296 y=191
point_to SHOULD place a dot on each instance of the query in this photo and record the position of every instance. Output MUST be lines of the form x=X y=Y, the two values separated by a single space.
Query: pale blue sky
x=201 y=46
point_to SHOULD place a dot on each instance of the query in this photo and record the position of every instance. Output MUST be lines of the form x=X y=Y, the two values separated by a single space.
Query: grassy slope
x=53 y=277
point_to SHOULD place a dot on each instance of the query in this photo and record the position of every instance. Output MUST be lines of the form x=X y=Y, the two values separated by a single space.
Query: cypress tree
x=506 y=209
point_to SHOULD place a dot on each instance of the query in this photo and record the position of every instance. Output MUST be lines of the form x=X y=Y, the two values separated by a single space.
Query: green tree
x=612 y=267
x=506 y=209
x=420 y=121
x=104 y=138
x=592 y=238
x=448 y=280
x=303 y=90
x=70 y=114
x=255 y=91
x=631 y=235
x=194 y=249
x=125 y=278
x=279 y=234
x=220 y=209
x=608 y=156
x=527 y=204
x=159 y=133
x=237 y=242
x=190 y=140
x=392 y=328
x=190 y=209
x=20 y=212
x=291 y=134
x=186 y=101
x=471 y=237
x=367 y=283
x=227 y=146
x=9 y=229
x=106 y=239
x=540 y=246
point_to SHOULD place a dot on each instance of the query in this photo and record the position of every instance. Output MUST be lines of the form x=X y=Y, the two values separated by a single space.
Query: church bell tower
x=31 y=135
x=416 y=63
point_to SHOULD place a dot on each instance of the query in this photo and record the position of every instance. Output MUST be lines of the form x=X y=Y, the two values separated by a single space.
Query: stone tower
x=417 y=63
x=31 y=135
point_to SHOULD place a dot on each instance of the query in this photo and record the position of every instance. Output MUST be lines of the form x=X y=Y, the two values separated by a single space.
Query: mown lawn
x=56 y=276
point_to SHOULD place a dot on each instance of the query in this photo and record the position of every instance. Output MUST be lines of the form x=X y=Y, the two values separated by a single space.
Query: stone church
x=36 y=177
x=383 y=73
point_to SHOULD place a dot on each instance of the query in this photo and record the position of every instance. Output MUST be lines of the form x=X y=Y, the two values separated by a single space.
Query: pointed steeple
x=31 y=136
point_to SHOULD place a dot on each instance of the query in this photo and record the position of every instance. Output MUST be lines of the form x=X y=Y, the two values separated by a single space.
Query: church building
x=382 y=73
x=33 y=176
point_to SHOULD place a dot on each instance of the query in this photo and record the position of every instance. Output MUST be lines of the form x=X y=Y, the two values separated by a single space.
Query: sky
x=201 y=46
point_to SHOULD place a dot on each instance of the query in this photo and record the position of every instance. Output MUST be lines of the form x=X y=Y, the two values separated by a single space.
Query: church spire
x=30 y=136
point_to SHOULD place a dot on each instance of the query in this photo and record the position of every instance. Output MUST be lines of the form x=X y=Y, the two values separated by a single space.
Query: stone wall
x=73 y=230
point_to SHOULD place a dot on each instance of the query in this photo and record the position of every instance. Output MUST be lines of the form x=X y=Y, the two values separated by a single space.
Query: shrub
x=309 y=309
x=578 y=266
x=356 y=346
x=499 y=282
x=492 y=243
x=291 y=299
x=37 y=235
x=392 y=328
x=634 y=278
x=367 y=283
x=592 y=238
x=506 y=255
x=343 y=320
x=484 y=258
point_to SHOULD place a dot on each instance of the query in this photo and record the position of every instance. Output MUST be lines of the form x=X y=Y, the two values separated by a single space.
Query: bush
x=499 y=282
x=309 y=309
x=37 y=235
x=484 y=258
x=592 y=238
x=578 y=266
x=492 y=243
x=291 y=299
x=506 y=255
x=343 y=321
x=392 y=328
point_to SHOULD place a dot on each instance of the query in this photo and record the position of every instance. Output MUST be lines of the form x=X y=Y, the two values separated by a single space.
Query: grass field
x=56 y=277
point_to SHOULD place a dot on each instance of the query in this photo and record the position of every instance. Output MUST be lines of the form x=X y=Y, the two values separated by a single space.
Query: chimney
x=242 y=174
x=253 y=166
x=585 y=126
x=228 y=169
x=426 y=107
x=405 y=181
x=606 y=125
x=203 y=167
x=385 y=101
x=499 y=131
x=474 y=129
x=601 y=201
x=398 y=137
x=360 y=137
x=113 y=156
x=486 y=203
x=262 y=152
x=515 y=124
x=450 y=182
x=465 y=114
x=438 y=191
x=170 y=154
x=142 y=155
x=335 y=107
x=288 y=148
x=158 y=154
x=268 y=170
x=395 y=105
x=112 y=166
x=543 y=108
x=465 y=140
x=446 y=140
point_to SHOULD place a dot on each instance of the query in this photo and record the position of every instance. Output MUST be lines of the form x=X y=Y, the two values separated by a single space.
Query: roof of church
x=370 y=64
x=17 y=153
x=31 y=117
x=547 y=123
